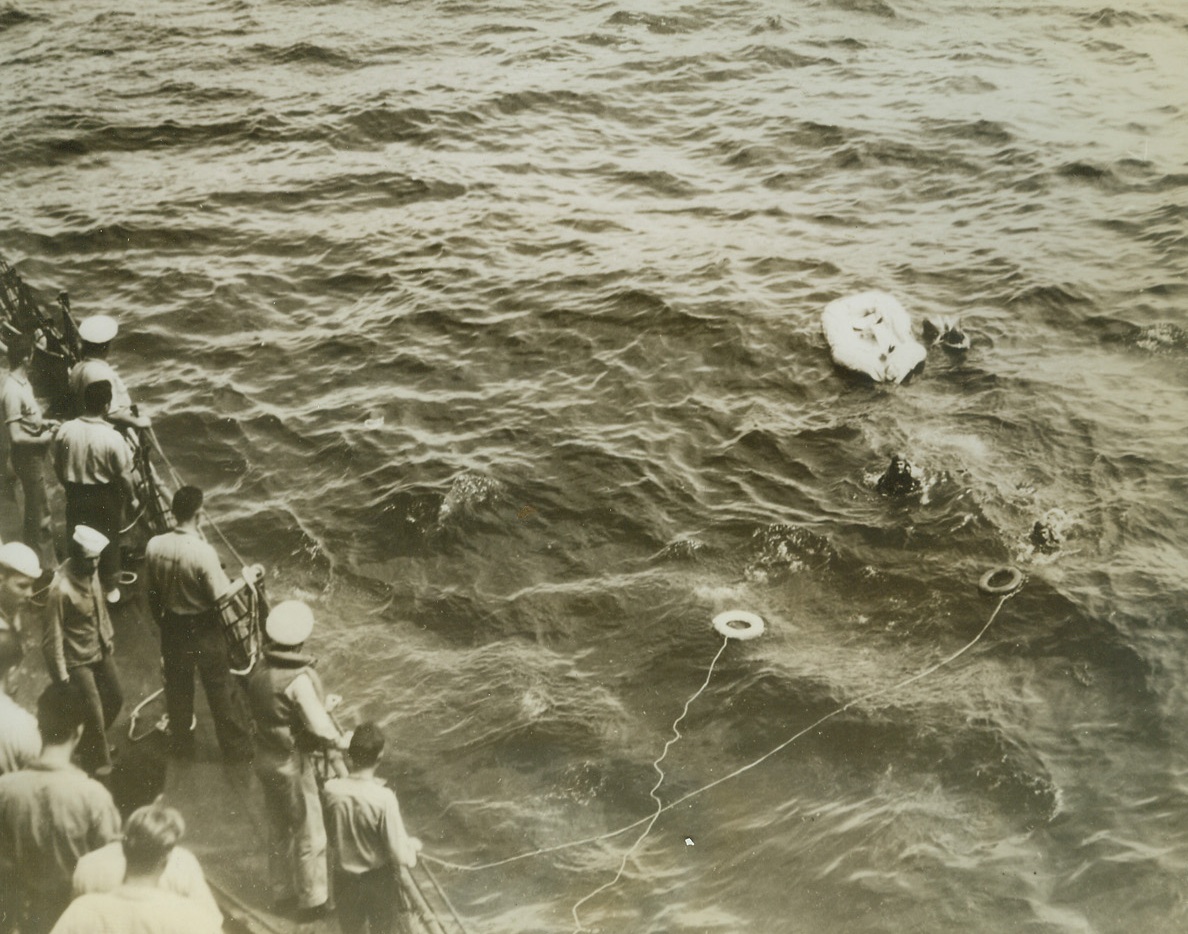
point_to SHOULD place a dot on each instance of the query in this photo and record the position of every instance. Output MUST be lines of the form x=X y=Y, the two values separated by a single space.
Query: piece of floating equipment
x=1000 y=581
x=739 y=624
x=870 y=333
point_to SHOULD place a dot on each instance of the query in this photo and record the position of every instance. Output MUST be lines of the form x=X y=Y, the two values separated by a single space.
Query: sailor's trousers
x=296 y=831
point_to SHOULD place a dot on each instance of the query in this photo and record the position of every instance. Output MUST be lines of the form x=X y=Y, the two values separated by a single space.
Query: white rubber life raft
x=871 y=333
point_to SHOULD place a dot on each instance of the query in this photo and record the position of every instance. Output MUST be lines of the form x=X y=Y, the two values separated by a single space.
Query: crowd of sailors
x=70 y=859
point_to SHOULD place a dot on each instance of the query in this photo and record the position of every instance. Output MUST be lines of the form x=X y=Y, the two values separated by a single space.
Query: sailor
x=104 y=870
x=142 y=904
x=370 y=842
x=900 y=478
x=78 y=643
x=29 y=435
x=1044 y=537
x=50 y=815
x=293 y=725
x=19 y=569
x=20 y=743
x=183 y=581
x=97 y=333
x=94 y=464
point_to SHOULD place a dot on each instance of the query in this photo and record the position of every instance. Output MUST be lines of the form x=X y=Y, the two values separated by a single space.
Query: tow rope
x=1004 y=589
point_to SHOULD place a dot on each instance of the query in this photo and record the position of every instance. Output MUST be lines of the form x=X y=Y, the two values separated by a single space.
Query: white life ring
x=739 y=624
x=994 y=584
x=871 y=333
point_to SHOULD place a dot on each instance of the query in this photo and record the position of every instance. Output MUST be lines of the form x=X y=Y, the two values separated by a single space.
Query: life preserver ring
x=1000 y=581
x=739 y=624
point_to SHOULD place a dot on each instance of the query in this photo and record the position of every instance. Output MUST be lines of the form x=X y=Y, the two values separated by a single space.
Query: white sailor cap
x=19 y=557
x=90 y=541
x=289 y=623
x=98 y=329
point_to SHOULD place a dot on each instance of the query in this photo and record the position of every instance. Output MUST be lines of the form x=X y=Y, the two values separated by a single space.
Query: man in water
x=900 y=478
x=183 y=581
x=78 y=643
x=1044 y=538
x=293 y=725
x=94 y=464
x=29 y=435
x=97 y=333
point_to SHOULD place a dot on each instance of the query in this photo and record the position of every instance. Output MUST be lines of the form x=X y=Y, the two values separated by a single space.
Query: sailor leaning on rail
x=96 y=334
x=293 y=728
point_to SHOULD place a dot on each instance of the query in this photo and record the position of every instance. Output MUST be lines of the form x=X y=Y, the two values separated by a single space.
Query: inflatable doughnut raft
x=870 y=333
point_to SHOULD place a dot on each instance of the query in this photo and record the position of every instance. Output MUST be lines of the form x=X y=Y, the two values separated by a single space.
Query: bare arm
x=402 y=849
x=313 y=713
x=51 y=638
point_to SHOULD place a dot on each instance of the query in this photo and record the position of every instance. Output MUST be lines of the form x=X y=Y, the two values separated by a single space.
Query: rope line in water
x=179 y=482
x=676 y=735
x=870 y=695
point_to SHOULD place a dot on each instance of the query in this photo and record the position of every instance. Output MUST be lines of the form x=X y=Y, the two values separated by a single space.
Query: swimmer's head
x=1044 y=537
x=899 y=465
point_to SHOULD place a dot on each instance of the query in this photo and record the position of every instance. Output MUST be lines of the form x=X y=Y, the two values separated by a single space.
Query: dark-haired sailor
x=293 y=724
x=900 y=478
x=50 y=815
x=97 y=333
x=78 y=643
x=370 y=842
x=183 y=581
x=29 y=435
x=94 y=464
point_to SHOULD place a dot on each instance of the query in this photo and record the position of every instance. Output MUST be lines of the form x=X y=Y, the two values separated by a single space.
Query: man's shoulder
x=359 y=789
x=13 y=717
x=78 y=786
x=91 y=368
x=157 y=544
x=178 y=544
x=69 y=782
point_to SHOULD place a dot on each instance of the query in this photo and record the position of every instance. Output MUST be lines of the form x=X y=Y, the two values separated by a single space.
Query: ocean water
x=493 y=331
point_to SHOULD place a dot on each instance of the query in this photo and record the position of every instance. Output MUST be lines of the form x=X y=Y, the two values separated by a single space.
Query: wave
x=662 y=25
x=304 y=53
x=1109 y=18
x=11 y=17
x=869 y=7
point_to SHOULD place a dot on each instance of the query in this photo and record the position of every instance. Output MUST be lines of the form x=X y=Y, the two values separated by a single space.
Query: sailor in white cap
x=79 y=643
x=97 y=333
x=94 y=463
x=19 y=569
x=292 y=723
x=20 y=743
x=29 y=434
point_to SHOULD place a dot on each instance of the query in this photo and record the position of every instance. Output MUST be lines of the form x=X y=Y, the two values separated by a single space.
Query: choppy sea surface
x=493 y=331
